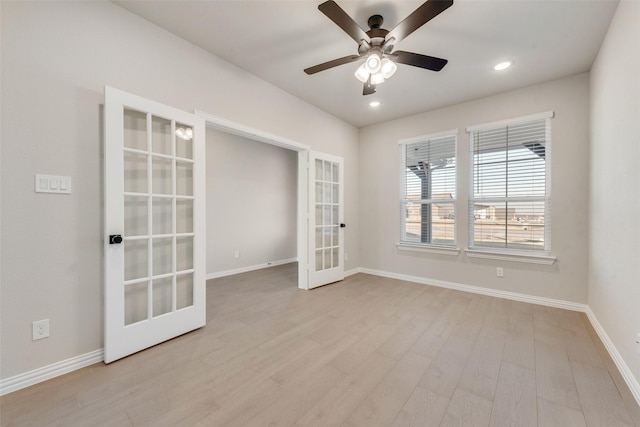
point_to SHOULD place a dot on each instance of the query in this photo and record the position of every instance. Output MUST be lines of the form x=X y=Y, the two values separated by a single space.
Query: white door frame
x=302 y=223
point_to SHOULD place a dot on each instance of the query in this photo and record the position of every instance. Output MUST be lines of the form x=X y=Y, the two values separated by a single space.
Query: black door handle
x=343 y=225
x=115 y=239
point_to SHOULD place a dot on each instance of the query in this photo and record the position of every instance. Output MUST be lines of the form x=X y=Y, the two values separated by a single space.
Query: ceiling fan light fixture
x=362 y=74
x=377 y=78
x=373 y=62
x=388 y=68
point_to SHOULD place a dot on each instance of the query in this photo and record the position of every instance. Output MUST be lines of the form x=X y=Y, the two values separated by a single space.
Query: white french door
x=154 y=223
x=326 y=213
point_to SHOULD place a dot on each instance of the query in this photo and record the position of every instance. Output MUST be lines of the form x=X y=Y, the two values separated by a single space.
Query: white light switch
x=53 y=184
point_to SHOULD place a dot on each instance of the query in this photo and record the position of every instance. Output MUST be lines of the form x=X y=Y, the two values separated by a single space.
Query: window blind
x=428 y=191
x=509 y=197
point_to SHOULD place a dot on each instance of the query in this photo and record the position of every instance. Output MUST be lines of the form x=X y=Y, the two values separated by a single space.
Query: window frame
x=438 y=248
x=537 y=256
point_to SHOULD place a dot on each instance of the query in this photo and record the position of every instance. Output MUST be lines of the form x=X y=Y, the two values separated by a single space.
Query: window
x=428 y=190
x=509 y=198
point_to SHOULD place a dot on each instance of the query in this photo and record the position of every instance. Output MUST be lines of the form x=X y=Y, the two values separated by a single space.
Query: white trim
x=249 y=268
x=452 y=132
x=624 y=369
x=352 y=272
x=510 y=122
x=45 y=373
x=432 y=249
x=549 y=302
x=302 y=229
x=528 y=258
x=236 y=128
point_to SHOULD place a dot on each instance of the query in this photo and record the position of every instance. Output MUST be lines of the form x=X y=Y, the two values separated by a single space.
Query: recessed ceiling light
x=503 y=65
x=374 y=104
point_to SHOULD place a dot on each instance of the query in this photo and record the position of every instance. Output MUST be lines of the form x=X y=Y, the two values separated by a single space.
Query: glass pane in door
x=184 y=291
x=184 y=216
x=136 y=260
x=161 y=136
x=135 y=172
x=135 y=302
x=135 y=216
x=162 y=177
x=184 y=145
x=135 y=130
x=162 y=290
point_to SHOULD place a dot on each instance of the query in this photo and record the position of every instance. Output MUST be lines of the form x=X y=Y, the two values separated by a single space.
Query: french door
x=154 y=223
x=326 y=213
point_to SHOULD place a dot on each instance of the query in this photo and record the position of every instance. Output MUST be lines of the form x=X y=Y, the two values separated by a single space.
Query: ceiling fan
x=376 y=45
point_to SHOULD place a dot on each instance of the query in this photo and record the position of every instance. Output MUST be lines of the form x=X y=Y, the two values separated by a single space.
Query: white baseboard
x=549 y=302
x=626 y=373
x=249 y=268
x=51 y=371
x=352 y=272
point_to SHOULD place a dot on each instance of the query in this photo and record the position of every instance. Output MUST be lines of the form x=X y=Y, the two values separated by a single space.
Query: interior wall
x=614 y=234
x=56 y=59
x=251 y=202
x=380 y=184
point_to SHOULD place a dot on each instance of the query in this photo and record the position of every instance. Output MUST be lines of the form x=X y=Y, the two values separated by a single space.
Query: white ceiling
x=276 y=40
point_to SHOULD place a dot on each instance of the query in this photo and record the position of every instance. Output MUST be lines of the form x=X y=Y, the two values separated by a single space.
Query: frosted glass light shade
x=373 y=63
x=362 y=74
x=377 y=78
x=388 y=68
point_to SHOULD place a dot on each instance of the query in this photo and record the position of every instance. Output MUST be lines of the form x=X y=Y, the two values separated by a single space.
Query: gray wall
x=251 y=202
x=379 y=185
x=56 y=59
x=614 y=233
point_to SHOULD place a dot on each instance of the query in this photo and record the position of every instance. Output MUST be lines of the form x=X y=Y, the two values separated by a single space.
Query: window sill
x=440 y=250
x=525 y=257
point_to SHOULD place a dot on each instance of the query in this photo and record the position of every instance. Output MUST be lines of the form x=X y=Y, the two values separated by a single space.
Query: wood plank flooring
x=367 y=352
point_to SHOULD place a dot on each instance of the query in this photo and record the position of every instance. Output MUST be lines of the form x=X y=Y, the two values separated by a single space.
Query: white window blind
x=428 y=191
x=509 y=195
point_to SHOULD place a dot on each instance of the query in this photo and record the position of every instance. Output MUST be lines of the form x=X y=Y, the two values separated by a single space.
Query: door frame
x=302 y=222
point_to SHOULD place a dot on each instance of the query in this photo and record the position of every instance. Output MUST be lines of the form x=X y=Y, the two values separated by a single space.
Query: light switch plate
x=53 y=184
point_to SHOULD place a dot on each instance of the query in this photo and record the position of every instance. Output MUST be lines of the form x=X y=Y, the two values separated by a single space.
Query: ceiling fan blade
x=331 y=64
x=429 y=10
x=368 y=88
x=418 y=60
x=342 y=20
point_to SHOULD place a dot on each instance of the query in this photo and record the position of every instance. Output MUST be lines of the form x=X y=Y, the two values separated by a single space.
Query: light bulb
x=388 y=68
x=502 y=66
x=180 y=133
x=373 y=62
x=362 y=74
x=377 y=79
x=188 y=133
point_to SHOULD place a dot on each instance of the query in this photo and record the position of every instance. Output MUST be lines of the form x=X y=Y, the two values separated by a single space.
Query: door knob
x=115 y=239
x=343 y=225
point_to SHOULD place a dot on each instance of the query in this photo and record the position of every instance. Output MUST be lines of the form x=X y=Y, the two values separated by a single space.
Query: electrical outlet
x=499 y=272
x=40 y=329
x=236 y=254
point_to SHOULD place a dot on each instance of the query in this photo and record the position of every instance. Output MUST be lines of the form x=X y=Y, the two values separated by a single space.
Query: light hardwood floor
x=368 y=351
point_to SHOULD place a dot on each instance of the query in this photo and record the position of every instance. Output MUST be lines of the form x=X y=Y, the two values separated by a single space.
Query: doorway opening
x=268 y=202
